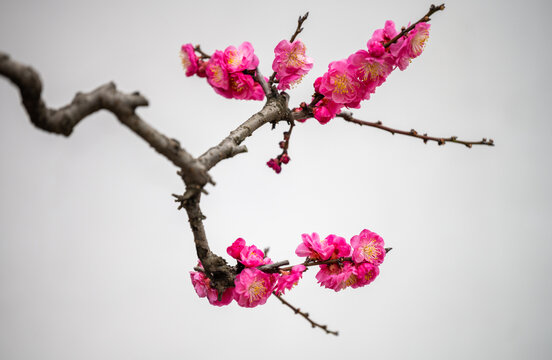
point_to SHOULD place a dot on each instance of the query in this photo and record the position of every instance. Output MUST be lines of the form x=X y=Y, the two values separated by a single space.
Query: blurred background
x=95 y=258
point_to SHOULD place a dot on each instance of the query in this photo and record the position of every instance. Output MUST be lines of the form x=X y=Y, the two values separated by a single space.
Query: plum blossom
x=251 y=256
x=382 y=36
x=235 y=249
x=369 y=69
x=336 y=276
x=341 y=248
x=290 y=63
x=189 y=59
x=289 y=279
x=217 y=74
x=368 y=247
x=411 y=46
x=364 y=274
x=313 y=248
x=202 y=286
x=340 y=85
x=242 y=58
x=253 y=287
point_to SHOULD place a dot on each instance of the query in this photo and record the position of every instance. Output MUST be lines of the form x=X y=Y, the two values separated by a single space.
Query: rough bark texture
x=194 y=171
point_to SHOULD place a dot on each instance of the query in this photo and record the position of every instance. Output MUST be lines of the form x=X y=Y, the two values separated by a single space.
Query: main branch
x=106 y=97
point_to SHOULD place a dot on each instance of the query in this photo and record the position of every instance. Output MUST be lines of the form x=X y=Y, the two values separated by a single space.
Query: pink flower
x=411 y=46
x=340 y=85
x=202 y=286
x=370 y=70
x=236 y=247
x=242 y=58
x=326 y=110
x=289 y=279
x=189 y=59
x=341 y=248
x=251 y=256
x=382 y=36
x=368 y=247
x=364 y=273
x=253 y=287
x=243 y=87
x=313 y=248
x=290 y=64
x=417 y=39
x=336 y=277
x=217 y=74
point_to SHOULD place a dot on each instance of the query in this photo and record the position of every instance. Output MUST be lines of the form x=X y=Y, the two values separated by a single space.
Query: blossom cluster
x=252 y=286
x=353 y=264
x=350 y=81
x=366 y=251
x=229 y=72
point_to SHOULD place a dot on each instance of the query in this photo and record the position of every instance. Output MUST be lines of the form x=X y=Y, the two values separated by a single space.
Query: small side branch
x=306 y=316
x=275 y=110
x=299 y=29
x=413 y=133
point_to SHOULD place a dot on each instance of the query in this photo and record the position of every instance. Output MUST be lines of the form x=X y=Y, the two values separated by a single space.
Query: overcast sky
x=95 y=258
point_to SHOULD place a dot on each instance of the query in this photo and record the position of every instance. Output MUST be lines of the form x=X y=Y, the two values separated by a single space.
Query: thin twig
x=201 y=52
x=299 y=29
x=425 y=138
x=432 y=9
x=306 y=316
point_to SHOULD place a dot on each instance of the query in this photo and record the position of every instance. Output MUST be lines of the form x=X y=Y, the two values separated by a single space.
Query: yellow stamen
x=185 y=60
x=342 y=83
x=370 y=252
x=256 y=290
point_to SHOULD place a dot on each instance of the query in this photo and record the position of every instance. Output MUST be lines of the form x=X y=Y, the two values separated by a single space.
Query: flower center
x=256 y=290
x=218 y=75
x=350 y=281
x=370 y=252
x=418 y=42
x=185 y=60
x=373 y=70
x=342 y=84
x=294 y=58
x=233 y=58
x=239 y=87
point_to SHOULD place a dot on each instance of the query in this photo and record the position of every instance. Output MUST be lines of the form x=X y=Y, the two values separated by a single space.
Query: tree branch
x=106 y=97
x=274 y=110
x=221 y=274
x=413 y=133
x=306 y=316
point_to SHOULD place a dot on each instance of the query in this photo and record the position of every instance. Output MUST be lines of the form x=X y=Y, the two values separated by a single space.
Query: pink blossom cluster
x=350 y=81
x=290 y=63
x=366 y=252
x=229 y=72
x=252 y=286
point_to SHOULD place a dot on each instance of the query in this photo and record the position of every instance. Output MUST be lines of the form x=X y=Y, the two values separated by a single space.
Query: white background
x=94 y=257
